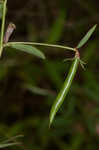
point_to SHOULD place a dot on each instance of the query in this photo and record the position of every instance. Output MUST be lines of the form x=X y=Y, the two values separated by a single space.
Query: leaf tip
x=94 y=27
x=43 y=56
x=86 y=37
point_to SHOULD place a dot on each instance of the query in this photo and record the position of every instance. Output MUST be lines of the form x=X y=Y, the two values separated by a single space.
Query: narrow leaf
x=11 y=139
x=28 y=49
x=86 y=37
x=8 y=144
x=68 y=59
x=82 y=63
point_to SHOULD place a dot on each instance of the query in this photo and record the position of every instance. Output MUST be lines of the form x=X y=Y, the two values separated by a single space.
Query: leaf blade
x=8 y=144
x=86 y=37
x=28 y=49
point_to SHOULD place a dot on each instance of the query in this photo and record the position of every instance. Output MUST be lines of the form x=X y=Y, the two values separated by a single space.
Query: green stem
x=40 y=44
x=2 y=26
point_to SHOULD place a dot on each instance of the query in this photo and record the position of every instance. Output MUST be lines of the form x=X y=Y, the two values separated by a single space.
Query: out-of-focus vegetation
x=28 y=85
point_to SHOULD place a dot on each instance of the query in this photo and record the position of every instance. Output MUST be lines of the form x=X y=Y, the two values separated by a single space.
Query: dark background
x=28 y=85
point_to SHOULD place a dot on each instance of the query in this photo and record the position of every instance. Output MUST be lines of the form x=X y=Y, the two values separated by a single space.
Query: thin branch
x=40 y=44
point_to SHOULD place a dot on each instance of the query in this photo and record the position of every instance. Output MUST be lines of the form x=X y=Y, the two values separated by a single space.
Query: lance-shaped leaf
x=28 y=49
x=8 y=144
x=86 y=37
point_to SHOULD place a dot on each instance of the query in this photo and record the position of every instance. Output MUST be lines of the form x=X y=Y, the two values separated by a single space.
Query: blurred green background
x=28 y=85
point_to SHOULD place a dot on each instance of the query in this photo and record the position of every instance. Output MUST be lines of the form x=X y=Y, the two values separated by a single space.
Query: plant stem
x=40 y=44
x=2 y=26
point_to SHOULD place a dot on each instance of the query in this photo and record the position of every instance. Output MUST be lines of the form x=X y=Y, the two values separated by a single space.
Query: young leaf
x=86 y=37
x=68 y=59
x=28 y=49
x=82 y=63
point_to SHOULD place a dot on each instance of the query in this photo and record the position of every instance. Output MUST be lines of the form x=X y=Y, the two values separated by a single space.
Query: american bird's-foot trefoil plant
x=67 y=83
x=28 y=47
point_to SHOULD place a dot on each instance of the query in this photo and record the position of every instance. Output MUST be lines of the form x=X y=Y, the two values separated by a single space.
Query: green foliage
x=28 y=85
x=9 y=142
x=86 y=37
x=64 y=90
x=28 y=49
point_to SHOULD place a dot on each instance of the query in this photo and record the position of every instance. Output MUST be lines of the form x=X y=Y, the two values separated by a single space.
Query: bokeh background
x=28 y=85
